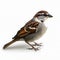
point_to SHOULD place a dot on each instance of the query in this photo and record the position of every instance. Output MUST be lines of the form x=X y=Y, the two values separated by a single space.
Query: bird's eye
x=45 y=14
x=42 y=21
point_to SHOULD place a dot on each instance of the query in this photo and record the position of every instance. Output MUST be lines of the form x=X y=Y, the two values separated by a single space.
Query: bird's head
x=42 y=15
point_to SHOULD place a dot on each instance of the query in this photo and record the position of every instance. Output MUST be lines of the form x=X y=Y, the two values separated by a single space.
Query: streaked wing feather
x=25 y=30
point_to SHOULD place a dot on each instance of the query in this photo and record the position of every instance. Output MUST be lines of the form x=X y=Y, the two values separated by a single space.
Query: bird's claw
x=36 y=44
x=33 y=48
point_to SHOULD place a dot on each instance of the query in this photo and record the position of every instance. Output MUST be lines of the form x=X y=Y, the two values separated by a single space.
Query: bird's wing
x=29 y=28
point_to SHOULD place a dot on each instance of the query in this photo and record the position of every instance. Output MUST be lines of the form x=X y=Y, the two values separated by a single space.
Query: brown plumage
x=31 y=29
x=24 y=31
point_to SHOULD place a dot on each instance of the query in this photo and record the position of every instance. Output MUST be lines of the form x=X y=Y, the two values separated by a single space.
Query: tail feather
x=8 y=44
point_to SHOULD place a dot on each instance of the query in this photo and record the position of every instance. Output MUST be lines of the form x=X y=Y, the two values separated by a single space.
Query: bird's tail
x=8 y=44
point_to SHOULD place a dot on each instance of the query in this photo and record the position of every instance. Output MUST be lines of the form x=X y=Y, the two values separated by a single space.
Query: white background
x=14 y=14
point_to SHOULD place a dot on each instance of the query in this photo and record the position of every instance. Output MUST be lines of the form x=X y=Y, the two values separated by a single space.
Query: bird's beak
x=50 y=16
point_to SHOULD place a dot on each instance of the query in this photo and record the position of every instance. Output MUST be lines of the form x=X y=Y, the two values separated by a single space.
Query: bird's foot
x=33 y=48
x=36 y=44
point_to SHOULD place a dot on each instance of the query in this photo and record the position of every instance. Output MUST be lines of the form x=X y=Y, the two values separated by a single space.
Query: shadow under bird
x=32 y=30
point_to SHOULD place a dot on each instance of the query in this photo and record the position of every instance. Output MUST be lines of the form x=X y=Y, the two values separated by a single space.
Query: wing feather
x=29 y=28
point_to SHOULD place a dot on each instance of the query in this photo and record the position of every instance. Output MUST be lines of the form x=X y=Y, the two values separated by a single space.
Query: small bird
x=32 y=30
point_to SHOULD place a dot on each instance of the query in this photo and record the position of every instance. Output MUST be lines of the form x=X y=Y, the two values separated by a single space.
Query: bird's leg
x=32 y=46
x=36 y=44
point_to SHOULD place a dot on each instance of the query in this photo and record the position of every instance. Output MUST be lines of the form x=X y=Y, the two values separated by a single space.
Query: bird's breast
x=40 y=31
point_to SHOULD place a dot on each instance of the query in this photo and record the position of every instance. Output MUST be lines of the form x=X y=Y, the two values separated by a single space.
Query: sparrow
x=32 y=30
